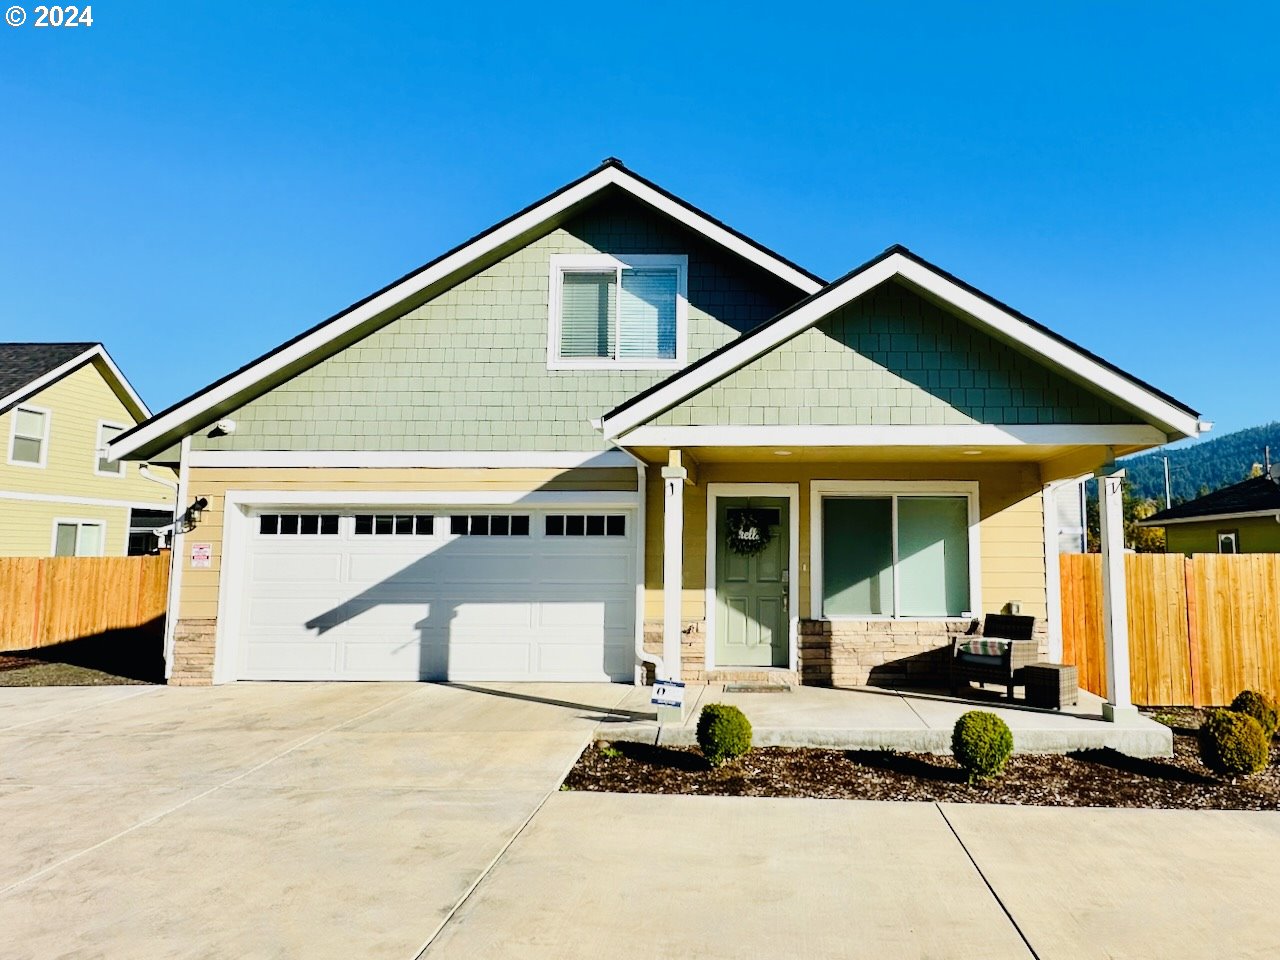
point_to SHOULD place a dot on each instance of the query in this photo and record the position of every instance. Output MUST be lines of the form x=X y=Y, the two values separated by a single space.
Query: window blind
x=647 y=314
x=587 y=314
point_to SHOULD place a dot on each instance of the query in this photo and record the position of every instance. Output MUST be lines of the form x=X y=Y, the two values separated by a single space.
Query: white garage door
x=421 y=593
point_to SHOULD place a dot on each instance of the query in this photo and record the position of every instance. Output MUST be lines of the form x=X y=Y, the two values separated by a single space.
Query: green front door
x=751 y=588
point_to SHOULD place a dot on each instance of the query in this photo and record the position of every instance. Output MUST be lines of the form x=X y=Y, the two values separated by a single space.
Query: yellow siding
x=1011 y=529
x=28 y=526
x=199 y=589
x=76 y=404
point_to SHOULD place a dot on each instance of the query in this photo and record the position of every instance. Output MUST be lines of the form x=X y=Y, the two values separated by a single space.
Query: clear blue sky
x=193 y=183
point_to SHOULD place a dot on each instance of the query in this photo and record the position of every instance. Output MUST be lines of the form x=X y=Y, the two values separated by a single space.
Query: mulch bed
x=1093 y=778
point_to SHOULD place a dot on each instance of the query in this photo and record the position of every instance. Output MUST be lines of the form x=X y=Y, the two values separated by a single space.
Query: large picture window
x=888 y=554
x=627 y=312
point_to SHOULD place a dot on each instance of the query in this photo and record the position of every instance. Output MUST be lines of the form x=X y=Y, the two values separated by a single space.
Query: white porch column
x=1115 y=606
x=674 y=476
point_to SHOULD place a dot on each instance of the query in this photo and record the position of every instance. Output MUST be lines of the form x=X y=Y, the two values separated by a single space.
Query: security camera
x=224 y=427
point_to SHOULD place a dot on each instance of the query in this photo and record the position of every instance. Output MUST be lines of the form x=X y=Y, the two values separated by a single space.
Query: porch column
x=1115 y=606
x=674 y=476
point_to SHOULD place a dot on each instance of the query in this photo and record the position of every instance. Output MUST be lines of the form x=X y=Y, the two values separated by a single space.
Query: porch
x=868 y=718
x=859 y=565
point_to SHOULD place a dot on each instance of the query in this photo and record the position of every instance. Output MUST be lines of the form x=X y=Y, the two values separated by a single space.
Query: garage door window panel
x=298 y=524
x=489 y=525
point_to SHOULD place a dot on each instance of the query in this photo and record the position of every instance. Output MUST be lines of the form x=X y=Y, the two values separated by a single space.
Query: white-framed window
x=1228 y=541
x=29 y=436
x=79 y=538
x=906 y=549
x=618 y=312
x=102 y=466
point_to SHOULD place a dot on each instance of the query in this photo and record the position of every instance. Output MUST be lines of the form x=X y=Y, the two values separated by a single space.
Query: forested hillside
x=1202 y=467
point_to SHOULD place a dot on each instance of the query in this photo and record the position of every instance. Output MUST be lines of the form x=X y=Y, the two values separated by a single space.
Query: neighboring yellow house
x=60 y=404
x=1241 y=518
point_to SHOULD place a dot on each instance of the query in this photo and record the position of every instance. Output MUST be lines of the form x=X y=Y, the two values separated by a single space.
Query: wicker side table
x=1055 y=685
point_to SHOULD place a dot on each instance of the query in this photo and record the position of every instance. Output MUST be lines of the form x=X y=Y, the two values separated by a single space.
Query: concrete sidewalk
x=875 y=719
x=715 y=878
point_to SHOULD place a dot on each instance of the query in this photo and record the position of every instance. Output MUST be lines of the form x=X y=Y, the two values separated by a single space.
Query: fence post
x=39 y=598
x=1193 y=632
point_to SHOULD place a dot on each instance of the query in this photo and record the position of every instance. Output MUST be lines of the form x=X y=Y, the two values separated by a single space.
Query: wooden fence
x=1201 y=628
x=47 y=600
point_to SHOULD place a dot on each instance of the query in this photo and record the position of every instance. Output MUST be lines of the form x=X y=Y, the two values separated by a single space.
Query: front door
x=752 y=581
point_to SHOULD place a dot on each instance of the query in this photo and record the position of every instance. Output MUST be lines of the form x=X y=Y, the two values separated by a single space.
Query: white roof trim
x=975 y=435
x=96 y=352
x=409 y=458
x=990 y=316
x=179 y=417
x=1213 y=517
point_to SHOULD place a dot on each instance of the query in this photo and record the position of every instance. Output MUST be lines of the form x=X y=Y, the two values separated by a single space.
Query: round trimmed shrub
x=724 y=733
x=1259 y=706
x=1233 y=743
x=982 y=744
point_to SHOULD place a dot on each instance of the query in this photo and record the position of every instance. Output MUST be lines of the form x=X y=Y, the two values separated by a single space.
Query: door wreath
x=748 y=533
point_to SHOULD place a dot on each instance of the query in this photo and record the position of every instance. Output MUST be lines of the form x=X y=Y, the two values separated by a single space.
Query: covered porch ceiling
x=1058 y=452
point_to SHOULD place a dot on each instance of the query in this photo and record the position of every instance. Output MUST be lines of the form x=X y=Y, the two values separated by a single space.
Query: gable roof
x=899 y=263
x=380 y=308
x=1257 y=495
x=27 y=368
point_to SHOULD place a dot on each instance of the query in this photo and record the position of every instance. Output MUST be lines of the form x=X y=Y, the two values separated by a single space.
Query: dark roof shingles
x=20 y=363
x=1254 y=494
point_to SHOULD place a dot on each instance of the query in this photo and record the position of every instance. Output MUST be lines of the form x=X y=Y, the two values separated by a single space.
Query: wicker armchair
x=1004 y=647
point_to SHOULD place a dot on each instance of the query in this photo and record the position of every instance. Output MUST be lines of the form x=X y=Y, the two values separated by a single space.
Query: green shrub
x=982 y=743
x=1233 y=743
x=1259 y=706
x=724 y=733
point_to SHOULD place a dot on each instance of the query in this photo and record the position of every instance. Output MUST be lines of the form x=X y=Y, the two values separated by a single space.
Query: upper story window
x=627 y=313
x=106 y=433
x=29 y=439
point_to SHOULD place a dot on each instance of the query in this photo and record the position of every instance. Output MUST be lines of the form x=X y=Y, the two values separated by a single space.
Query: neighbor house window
x=78 y=538
x=628 y=312
x=896 y=554
x=29 y=439
x=1228 y=541
x=106 y=433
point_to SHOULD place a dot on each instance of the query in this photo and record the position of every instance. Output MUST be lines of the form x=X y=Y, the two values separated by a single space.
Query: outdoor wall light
x=191 y=516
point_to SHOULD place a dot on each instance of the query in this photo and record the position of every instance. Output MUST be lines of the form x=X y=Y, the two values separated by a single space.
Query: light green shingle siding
x=468 y=370
x=892 y=357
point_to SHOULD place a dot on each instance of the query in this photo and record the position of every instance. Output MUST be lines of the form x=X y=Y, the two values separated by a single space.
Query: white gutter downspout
x=176 y=547
x=144 y=471
x=642 y=655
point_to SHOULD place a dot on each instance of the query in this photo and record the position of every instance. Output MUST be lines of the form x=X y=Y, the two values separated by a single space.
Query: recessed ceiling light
x=973 y=453
x=782 y=453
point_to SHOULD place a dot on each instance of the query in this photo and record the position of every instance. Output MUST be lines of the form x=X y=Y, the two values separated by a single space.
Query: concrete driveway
x=265 y=820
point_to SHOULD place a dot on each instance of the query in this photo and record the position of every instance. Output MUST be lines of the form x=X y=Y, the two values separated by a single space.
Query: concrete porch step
x=772 y=675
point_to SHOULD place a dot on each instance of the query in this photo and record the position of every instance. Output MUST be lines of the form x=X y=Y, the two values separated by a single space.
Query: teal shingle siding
x=468 y=369
x=892 y=357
